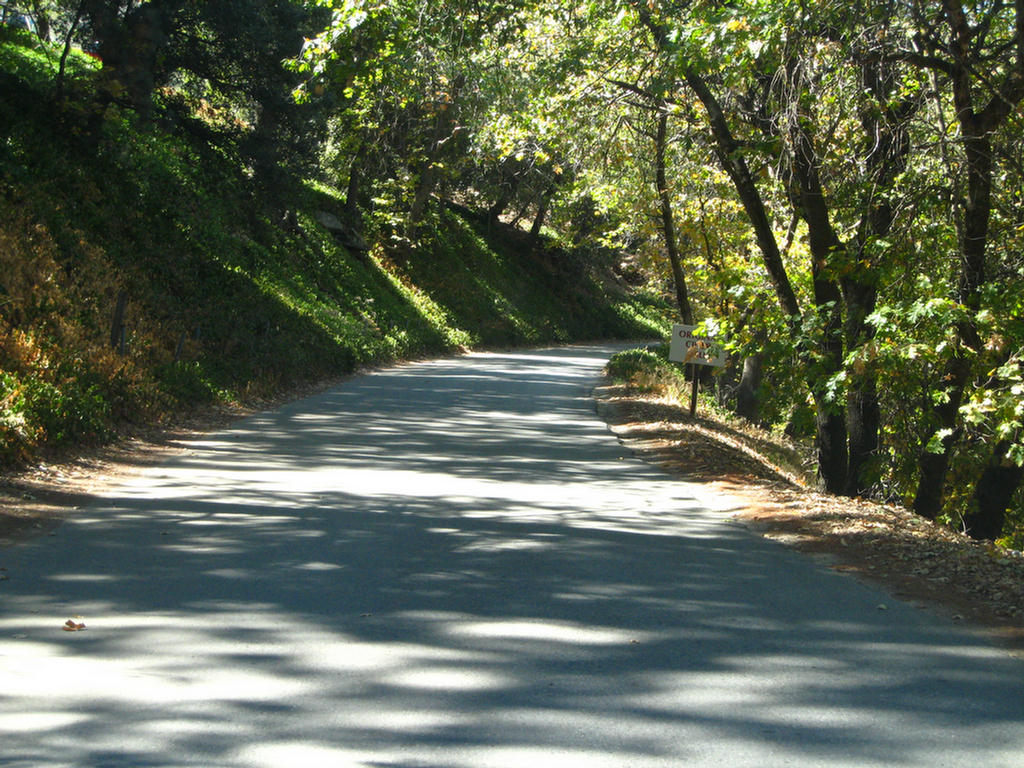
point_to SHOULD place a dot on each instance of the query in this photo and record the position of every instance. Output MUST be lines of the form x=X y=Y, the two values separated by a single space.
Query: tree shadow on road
x=415 y=592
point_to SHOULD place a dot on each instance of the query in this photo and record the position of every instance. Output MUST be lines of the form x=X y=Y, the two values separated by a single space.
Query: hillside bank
x=144 y=273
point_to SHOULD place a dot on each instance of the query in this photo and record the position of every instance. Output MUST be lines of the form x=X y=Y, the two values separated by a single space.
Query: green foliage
x=34 y=411
x=817 y=160
x=649 y=370
x=188 y=384
x=225 y=302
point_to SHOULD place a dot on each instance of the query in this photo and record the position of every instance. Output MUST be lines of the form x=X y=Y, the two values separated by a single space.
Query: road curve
x=454 y=564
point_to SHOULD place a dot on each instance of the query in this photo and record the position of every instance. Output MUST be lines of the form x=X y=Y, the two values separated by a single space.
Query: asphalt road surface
x=454 y=564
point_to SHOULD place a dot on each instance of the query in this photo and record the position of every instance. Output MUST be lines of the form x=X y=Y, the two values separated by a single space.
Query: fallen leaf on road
x=73 y=626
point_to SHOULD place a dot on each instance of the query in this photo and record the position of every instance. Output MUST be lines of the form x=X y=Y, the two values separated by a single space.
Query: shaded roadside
x=35 y=500
x=913 y=558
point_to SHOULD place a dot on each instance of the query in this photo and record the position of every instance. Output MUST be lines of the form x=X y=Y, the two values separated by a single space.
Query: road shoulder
x=912 y=558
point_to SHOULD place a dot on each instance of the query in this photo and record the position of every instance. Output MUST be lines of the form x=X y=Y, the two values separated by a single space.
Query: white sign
x=686 y=347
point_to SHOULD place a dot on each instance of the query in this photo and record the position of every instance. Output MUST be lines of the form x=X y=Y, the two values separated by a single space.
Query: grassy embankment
x=222 y=303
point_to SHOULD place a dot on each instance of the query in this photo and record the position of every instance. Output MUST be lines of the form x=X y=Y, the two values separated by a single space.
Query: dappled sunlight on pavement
x=455 y=564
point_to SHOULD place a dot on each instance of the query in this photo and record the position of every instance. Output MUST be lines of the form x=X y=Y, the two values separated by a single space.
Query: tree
x=978 y=55
x=408 y=79
x=223 y=56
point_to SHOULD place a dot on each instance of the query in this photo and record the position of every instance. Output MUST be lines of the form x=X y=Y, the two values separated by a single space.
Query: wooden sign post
x=694 y=349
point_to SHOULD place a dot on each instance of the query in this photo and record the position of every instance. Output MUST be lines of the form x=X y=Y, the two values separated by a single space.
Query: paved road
x=455 y=564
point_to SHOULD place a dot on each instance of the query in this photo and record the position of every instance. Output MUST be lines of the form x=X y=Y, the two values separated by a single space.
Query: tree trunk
x=44 y=29
x=425 y=188
x=729 y=154
x=826 y=249
x=831 y=427
x=977 y=127
x=728 y=151
x=748 y=401
x=130 y=48
x=62 y=68
x=888 y=145
x=498 y=208
x=993 y=495
x=863 y=419
x=863 y=413
x=352 y=190
x=830 y=444
x=933 y=467
x=538 y=221
x=667 y=221
x=444 y=130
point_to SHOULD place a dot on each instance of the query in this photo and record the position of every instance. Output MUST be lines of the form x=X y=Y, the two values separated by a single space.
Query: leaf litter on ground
x=913 y=558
